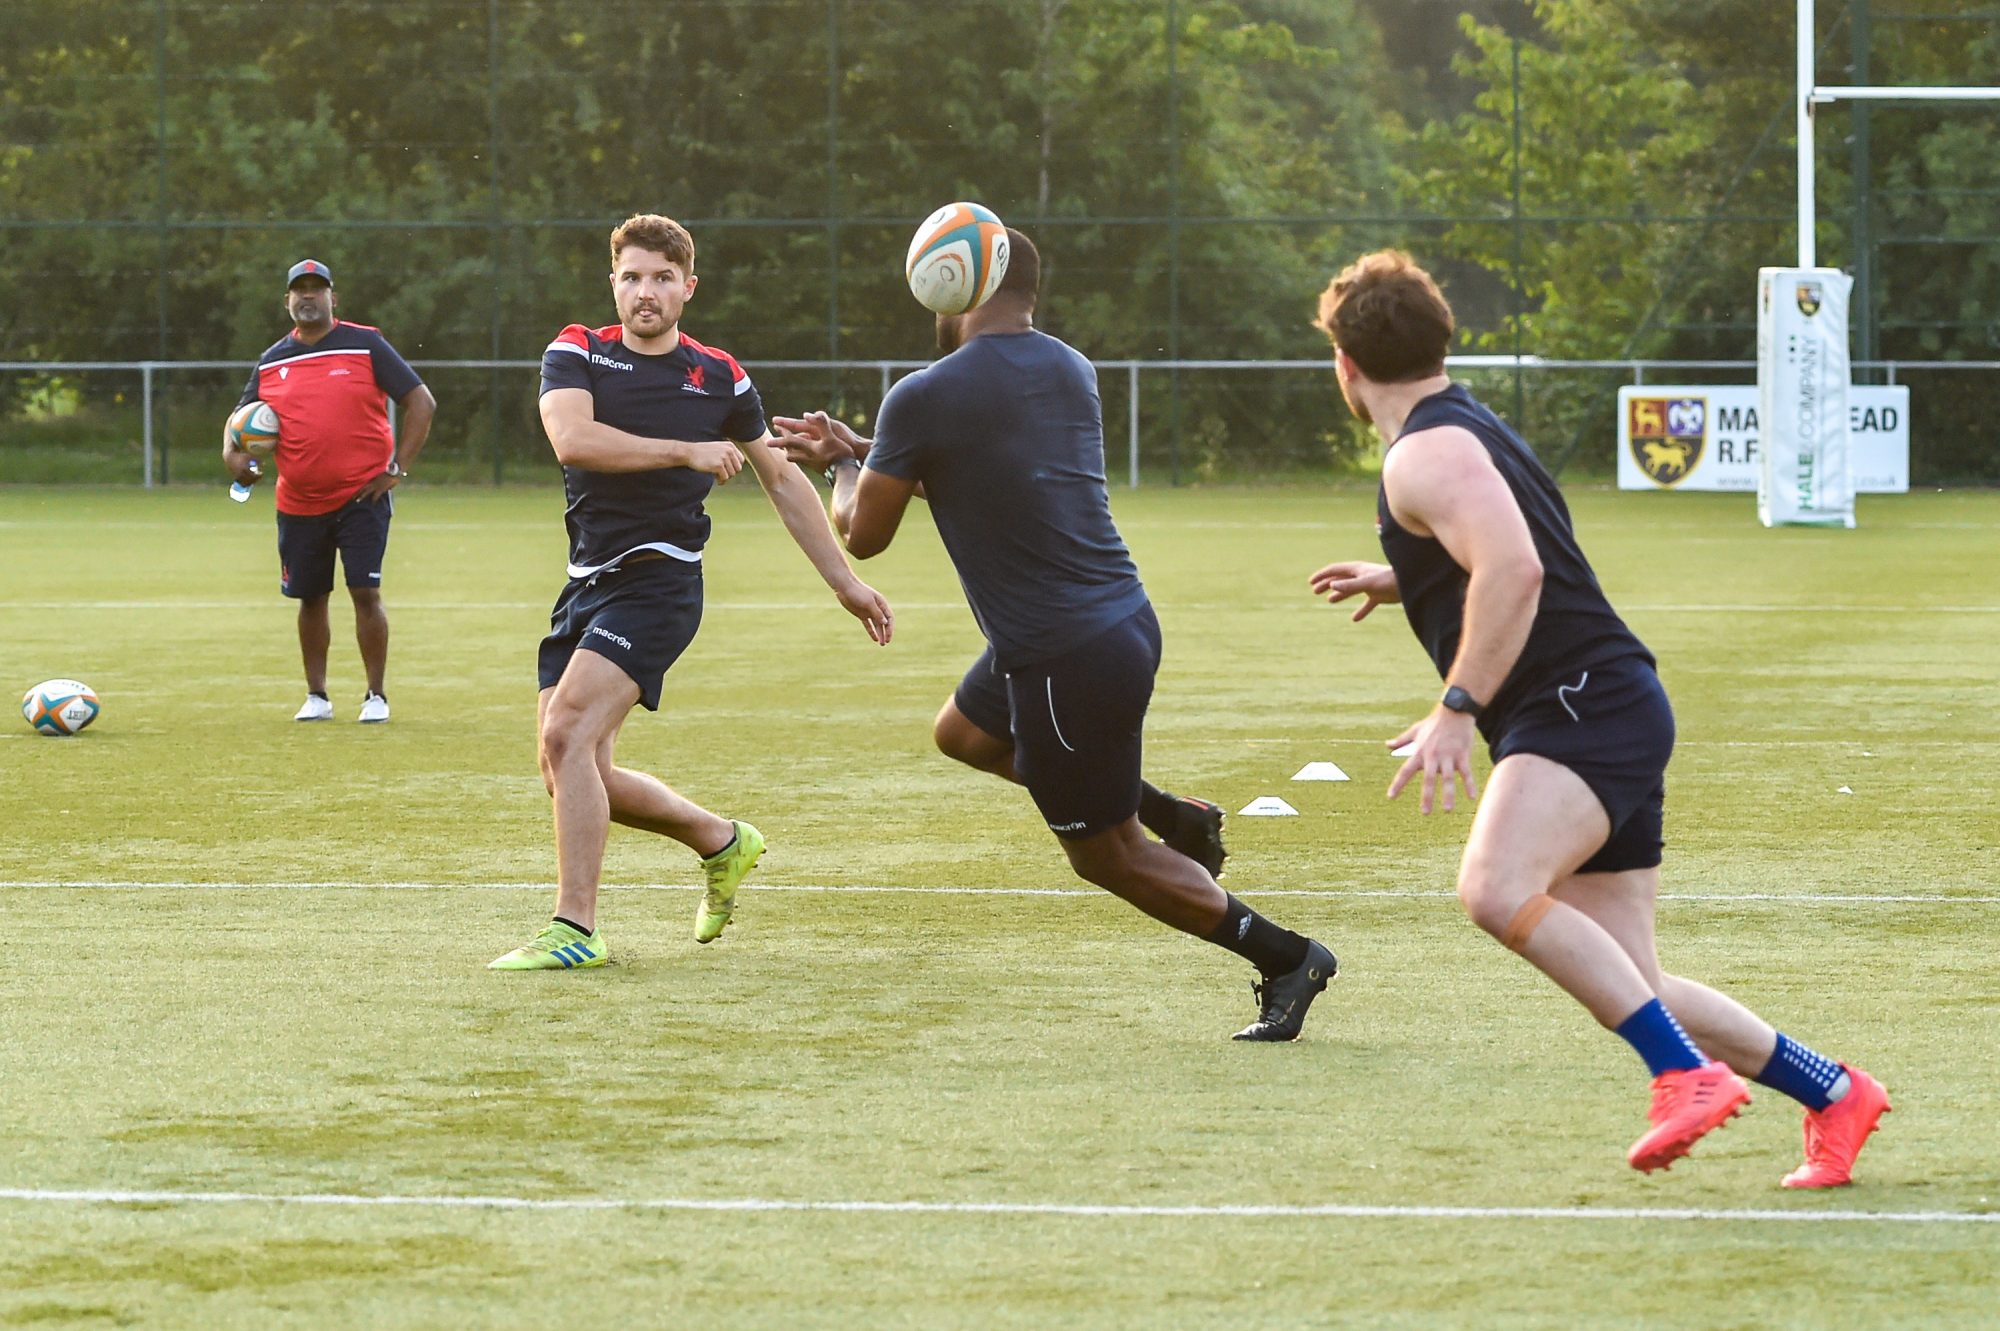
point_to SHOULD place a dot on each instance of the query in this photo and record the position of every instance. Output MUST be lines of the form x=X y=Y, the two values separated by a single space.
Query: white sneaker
x=374 y=707
x=316 y=709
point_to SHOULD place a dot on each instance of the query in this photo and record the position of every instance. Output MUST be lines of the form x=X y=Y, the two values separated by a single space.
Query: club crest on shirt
x=695 y=374
x=1667 y=436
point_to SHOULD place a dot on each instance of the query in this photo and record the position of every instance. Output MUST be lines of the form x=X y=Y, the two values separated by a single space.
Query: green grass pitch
x=245 y=959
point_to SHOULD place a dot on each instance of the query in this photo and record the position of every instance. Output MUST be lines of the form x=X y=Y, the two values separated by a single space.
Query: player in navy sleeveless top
x=646 y=421
x=1562 y=864
x=1005 y=435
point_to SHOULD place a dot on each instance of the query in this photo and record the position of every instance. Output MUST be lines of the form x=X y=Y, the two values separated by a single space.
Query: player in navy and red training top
x=337 y=462
x=1563 y=861
x=646 y=421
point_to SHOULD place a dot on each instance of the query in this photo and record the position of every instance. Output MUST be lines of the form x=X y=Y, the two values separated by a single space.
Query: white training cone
x=1405 y=751
x=1268 y=806
x=1320 y=772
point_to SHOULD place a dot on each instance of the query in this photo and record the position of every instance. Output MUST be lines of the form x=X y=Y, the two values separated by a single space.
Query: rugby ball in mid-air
x=957 y=258
x=59 y=706
x=253 y=427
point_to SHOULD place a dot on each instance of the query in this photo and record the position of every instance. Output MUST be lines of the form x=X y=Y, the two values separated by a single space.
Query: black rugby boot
x=1198 y=833
x=1286 y=997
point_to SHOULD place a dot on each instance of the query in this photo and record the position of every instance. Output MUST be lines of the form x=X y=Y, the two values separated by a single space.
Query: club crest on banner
x=1667 y=436
x=1809 y=299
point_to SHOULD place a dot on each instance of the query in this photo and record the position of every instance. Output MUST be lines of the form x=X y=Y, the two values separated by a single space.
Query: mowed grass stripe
x=1219 y=1211
x=867 y=889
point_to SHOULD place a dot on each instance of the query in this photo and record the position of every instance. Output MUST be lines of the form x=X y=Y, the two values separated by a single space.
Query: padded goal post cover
x=1802 y=381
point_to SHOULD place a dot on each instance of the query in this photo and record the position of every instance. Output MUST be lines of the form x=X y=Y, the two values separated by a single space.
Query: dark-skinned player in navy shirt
x=1005 y=435
x=1562 y=864
x=646 y=421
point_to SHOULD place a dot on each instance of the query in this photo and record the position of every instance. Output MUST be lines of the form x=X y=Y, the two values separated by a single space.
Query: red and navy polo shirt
x=693 y=393
x=334 y=434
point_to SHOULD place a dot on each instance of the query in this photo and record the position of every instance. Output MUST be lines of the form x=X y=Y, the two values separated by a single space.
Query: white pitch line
x=754 y=607
x=819 y=603
x=893 y=889
x=110 y=1197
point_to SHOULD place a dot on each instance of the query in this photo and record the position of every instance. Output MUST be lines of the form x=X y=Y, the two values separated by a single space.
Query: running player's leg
x=641 y=617
x=1623 y=904
x=1537 y=824
x=1836 y=1129
x=1078 y=743
x=577 y=717
x=959 y=738
x=975 y=727
x=643 y=801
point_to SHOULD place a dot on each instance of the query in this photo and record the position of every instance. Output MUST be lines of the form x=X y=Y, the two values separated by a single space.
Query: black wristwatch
x=835 y=466
x=1458 y=700
x=395 y=468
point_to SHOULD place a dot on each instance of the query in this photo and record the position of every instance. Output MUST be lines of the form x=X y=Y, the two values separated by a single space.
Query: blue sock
x=1660 y=1040
x=1807 y=1075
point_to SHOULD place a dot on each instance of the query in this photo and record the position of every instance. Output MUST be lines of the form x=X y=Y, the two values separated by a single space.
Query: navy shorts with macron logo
x=358 y=529
x=1077 y=723
x=640 y=615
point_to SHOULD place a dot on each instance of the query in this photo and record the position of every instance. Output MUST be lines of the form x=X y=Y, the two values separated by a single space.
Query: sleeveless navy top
x=1575 y=627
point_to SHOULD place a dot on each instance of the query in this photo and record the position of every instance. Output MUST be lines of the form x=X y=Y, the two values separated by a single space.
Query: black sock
x=574 y=925
x=1159 y=812
x=1270 y=949
x=317 y=693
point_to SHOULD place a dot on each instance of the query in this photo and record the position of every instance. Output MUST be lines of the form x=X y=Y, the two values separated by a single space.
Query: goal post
x=1803 y=366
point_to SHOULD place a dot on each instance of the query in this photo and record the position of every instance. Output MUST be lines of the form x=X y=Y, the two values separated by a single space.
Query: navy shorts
x=1076 y=723
x=1612 y=726
x=641 y=616
x=359 y=529
x=981 y=697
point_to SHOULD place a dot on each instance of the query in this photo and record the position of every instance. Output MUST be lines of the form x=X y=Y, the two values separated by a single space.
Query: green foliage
x=459 y=164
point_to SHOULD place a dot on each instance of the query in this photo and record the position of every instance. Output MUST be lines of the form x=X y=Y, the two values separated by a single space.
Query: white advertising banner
x=1802 y=374
x=1706 y=437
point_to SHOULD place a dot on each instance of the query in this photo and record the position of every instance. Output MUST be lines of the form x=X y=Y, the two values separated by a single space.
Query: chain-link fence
x=1566 y=410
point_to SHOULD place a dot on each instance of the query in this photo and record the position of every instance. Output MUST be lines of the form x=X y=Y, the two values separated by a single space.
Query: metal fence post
x=146 y=377
x=1132 y=426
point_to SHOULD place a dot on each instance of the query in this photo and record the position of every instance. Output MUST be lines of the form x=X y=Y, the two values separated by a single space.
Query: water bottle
x=238 y=490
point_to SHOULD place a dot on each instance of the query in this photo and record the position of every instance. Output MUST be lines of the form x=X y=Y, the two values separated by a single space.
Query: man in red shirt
x=329 y=380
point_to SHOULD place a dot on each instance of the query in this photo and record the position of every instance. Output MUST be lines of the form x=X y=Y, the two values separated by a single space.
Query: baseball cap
x=308 y=268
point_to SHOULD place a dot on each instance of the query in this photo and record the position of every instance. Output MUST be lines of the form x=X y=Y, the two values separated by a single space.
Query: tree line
x=1591 y=178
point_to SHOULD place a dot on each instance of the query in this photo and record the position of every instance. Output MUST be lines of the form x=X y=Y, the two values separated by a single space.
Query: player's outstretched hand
x=719 y=459
x=1441 y=751
x=866 y=604
x=1375 y=582
x=816 y=440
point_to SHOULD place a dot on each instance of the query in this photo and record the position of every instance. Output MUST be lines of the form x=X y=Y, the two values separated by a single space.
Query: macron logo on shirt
x=608 y=363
